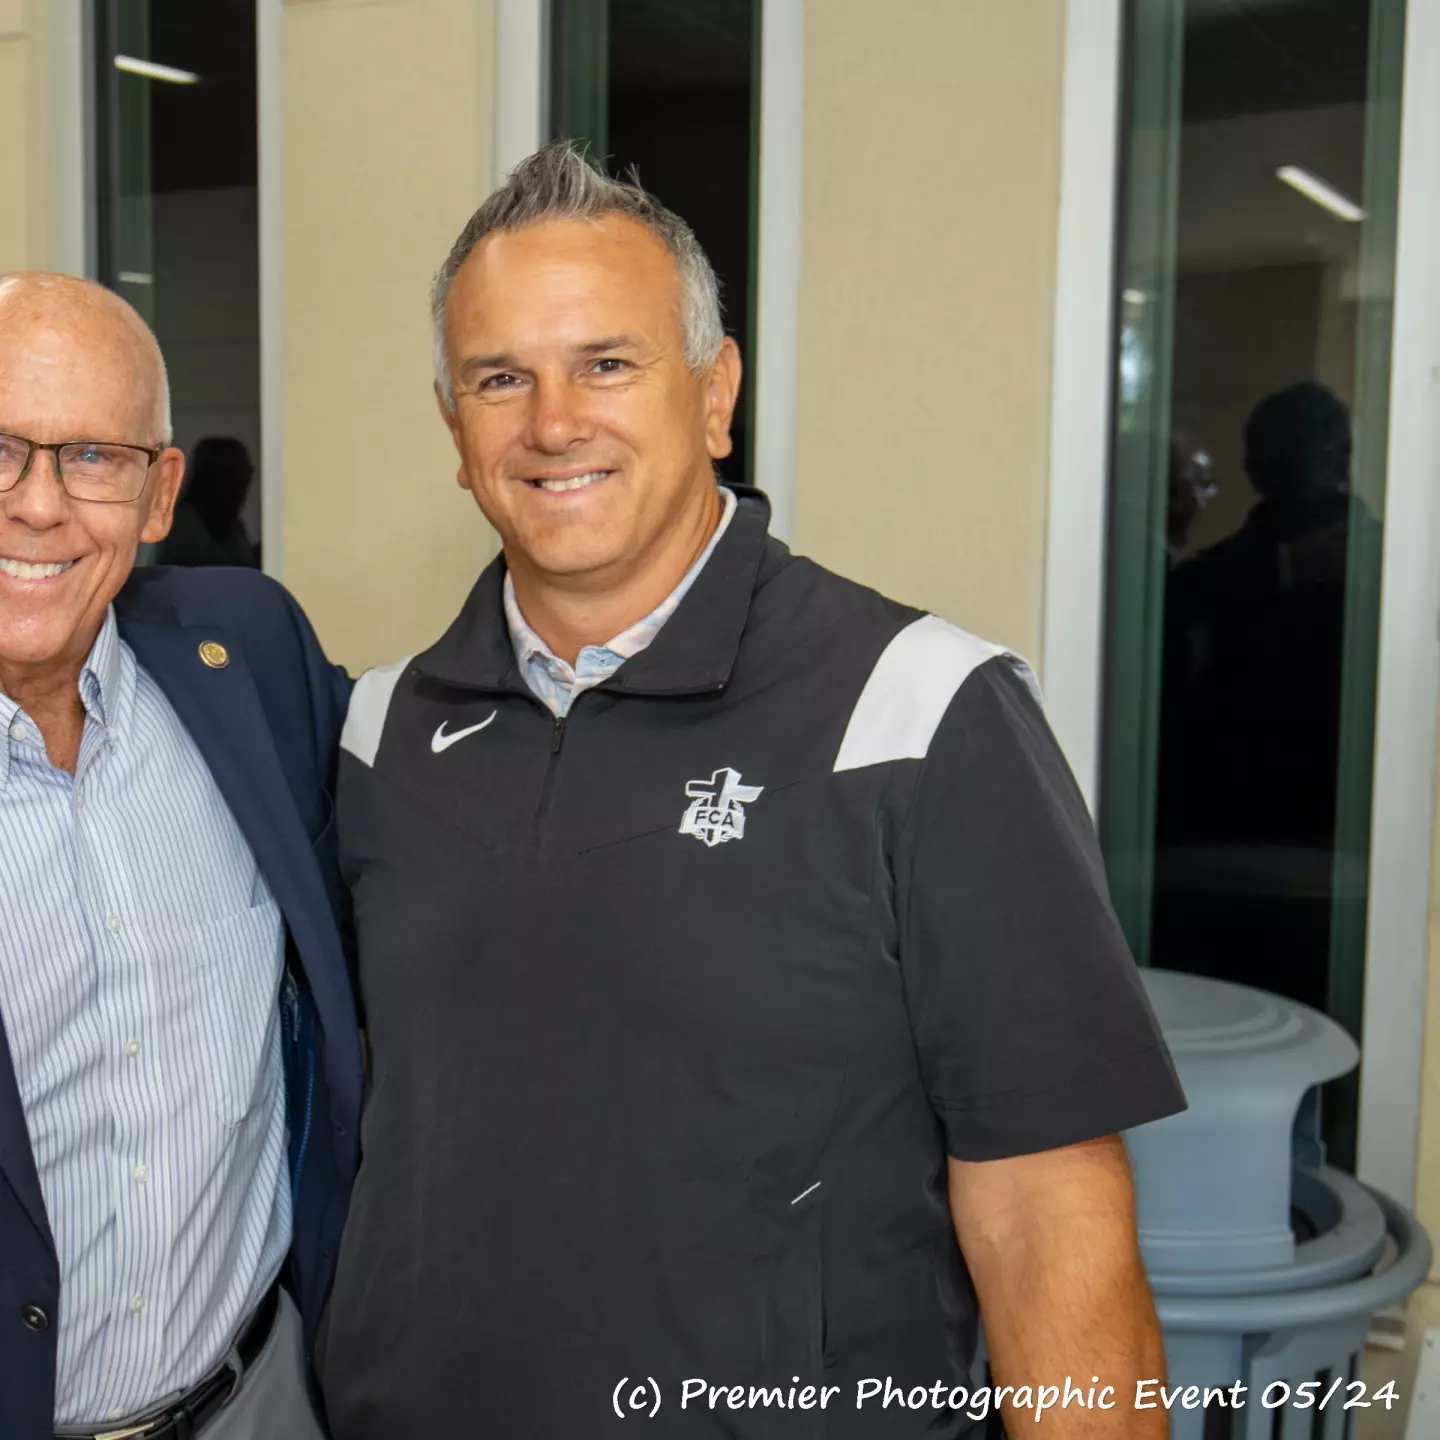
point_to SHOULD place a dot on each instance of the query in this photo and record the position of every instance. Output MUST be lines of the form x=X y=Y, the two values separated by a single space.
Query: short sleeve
x=1032 y=1025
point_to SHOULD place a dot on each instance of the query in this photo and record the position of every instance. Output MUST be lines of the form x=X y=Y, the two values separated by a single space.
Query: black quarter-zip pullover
x=677 y=1008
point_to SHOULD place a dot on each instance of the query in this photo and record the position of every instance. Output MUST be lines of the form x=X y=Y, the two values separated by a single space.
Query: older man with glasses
x=179 y=1057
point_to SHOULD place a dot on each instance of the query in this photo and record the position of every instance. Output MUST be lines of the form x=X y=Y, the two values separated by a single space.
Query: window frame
x=1408 y=688
x=522 y=123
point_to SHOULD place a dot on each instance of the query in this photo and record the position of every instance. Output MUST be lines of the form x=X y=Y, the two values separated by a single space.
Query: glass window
x=1248 y=491
x=177 y=236
x=672 y=91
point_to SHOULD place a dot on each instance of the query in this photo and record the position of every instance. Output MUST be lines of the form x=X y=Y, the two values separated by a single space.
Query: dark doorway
x=670 y=91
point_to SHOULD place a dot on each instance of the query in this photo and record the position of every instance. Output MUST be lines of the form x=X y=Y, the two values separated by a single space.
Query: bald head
x=77 y=366
x=97 y=329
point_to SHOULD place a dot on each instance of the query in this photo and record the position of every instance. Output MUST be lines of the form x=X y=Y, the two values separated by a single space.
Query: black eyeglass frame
x=34 y=447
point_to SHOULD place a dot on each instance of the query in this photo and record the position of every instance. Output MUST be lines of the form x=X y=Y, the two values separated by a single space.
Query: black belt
x=192 y=1412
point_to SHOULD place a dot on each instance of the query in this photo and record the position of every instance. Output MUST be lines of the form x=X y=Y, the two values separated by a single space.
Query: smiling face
x=582 y=432
x=74 y=365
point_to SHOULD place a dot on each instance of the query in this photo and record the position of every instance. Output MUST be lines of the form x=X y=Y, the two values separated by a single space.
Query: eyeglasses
x=88 y=469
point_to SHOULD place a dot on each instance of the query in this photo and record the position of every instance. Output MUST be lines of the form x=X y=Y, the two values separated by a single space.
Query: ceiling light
x=151 y=71
x=1316 y=189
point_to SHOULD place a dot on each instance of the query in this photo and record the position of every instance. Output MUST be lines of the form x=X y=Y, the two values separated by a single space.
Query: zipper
x=547 y=788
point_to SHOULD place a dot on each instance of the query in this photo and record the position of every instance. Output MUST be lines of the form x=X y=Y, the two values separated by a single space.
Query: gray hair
x=162 y=400
x=559 y=182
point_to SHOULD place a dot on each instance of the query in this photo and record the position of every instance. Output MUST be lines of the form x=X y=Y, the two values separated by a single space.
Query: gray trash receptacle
x=1218 y=1193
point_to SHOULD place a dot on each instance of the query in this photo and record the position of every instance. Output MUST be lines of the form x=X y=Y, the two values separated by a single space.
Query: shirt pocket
x=234 y=964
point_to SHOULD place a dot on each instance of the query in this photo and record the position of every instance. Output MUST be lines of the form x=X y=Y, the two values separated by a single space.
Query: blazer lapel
x=17 y=1159
x=221 y=709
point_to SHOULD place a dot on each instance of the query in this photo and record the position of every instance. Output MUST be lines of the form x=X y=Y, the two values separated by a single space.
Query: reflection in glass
x=176 y=206
x=1248 y=491
x=208 y=528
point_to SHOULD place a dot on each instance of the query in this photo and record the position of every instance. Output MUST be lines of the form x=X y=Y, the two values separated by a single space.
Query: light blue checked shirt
x=556 y=682
x=140 y=963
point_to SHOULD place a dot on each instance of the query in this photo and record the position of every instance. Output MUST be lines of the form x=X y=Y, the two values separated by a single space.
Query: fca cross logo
x=717 y=807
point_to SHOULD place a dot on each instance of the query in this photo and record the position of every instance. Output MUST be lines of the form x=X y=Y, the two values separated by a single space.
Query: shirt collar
x=694 y=652
x=100 y=684
x=100 y=680
x=633 y=639
x=526 y=643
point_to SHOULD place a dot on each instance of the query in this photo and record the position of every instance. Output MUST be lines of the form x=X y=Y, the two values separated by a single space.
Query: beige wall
x=41 y=120
x=931 y=204
x=924 y=344
x=14 y=148
x=925 y=340
x=39 y=212
x=386 y=120
x=23 y=170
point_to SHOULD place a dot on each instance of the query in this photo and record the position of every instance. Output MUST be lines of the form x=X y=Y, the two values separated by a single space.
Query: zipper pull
x=559 y=739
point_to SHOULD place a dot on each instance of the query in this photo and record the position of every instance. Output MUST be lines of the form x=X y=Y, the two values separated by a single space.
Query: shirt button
x=142 y=1174
x=112 y=924
x=17 y=731
x=132 y=1048
x=34 y=1318
x=137 y=1304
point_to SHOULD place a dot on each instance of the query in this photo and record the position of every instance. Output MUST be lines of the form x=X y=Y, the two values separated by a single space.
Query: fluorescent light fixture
x=151 y=71
x=1134 y=297
x=1323 y=194
x=135 y=277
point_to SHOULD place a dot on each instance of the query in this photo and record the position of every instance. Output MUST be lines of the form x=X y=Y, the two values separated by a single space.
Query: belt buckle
x=151 y=1427
x=232 y=1363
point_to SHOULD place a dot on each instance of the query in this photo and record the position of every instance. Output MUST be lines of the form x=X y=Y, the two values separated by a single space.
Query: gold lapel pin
x=215 y=655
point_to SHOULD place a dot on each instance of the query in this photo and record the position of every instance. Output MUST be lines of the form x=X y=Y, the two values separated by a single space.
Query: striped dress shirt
x=140 y=962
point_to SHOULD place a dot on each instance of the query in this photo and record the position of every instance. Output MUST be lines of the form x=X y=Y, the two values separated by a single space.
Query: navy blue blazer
x=268 y=724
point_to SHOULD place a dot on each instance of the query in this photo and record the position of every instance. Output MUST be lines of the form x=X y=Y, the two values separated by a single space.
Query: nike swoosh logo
x=441 y=741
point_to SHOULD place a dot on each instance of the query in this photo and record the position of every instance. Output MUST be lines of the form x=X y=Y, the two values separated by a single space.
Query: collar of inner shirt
x=99 y=687
x=598 y=662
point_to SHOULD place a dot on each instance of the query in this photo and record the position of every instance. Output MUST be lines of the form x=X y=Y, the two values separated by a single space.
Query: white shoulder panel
x=911 y=687
x=369 y=705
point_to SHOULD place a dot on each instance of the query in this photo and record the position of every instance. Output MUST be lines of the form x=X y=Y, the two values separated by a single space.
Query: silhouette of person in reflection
x=1250 y=712
x=1191 y=488
x=207 y=528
